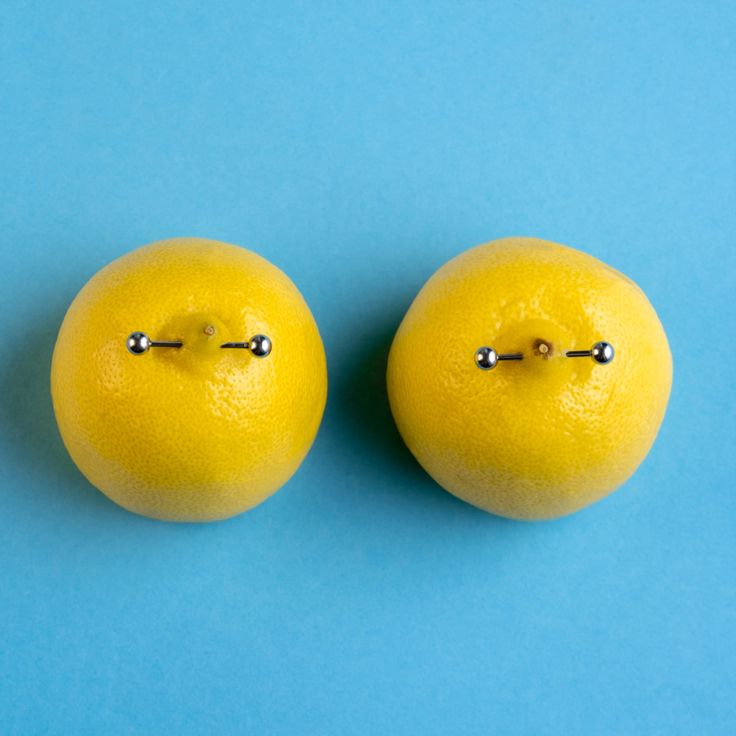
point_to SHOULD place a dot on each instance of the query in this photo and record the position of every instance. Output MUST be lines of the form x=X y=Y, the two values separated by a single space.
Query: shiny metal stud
x=602 y=353
x=139 y=343
x=259 y=345
x=487 y=358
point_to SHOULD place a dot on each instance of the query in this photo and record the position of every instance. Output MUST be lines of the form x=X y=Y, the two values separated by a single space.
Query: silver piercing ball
x=139 y=343
x=602 y=353
x=259 y=345
x=487 y=358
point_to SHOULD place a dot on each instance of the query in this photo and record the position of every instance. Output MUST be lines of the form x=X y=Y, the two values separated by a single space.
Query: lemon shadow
x=35 y=454
x=362 y=413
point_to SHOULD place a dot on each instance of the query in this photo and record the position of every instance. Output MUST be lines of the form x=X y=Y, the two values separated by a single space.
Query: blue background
x=359 y=148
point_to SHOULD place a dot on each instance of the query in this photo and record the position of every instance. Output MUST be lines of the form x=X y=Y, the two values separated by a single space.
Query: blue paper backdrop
x=359 y=146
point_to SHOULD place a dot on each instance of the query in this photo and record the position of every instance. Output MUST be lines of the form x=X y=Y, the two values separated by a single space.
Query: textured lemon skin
x=545 y=436
x=197 y=433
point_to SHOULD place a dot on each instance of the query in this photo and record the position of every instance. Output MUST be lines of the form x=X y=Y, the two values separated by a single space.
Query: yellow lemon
x=547 y=434
x=196 y=432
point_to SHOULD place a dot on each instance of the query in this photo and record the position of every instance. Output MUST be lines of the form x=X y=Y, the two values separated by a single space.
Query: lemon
x=544 y=436
x=194 y=433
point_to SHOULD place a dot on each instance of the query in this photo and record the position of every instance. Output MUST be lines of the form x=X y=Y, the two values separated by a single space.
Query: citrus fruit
x=547 y=434
x=194 y=432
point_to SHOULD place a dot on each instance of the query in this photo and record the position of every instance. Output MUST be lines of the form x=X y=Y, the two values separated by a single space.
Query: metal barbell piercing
x=602 y=353
x=139 y=343
x=259 y=345
x=487 y=358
